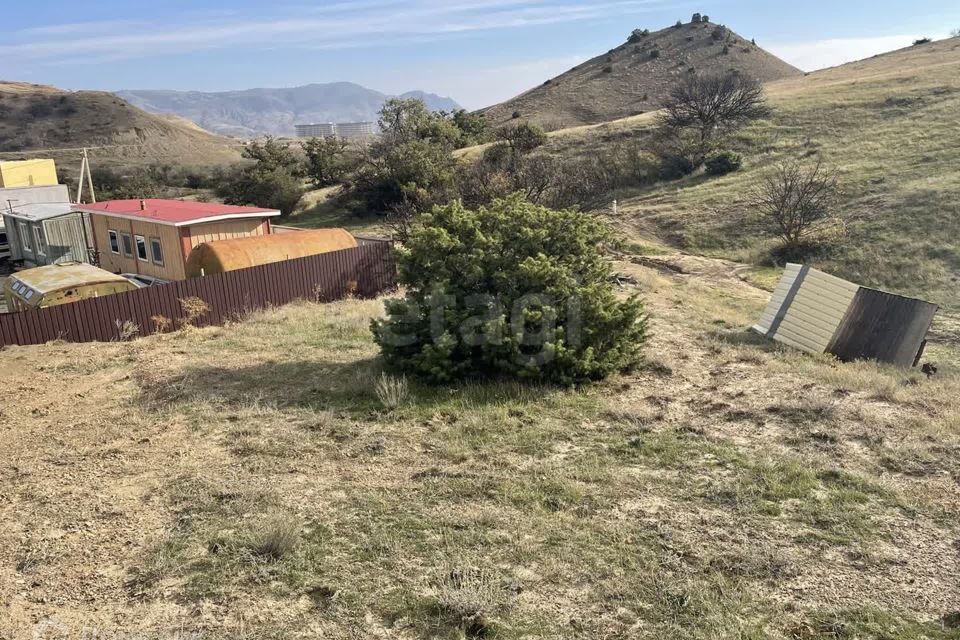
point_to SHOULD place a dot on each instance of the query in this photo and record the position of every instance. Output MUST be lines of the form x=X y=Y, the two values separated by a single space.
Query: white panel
x=815 y=311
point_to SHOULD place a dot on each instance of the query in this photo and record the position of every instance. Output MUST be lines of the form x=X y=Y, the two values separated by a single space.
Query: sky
x=478 y=52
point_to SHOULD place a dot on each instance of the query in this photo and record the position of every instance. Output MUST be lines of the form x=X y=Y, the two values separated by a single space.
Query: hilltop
x=634 y=77
x=43 y=117
x=254 y=112
x=887 y=123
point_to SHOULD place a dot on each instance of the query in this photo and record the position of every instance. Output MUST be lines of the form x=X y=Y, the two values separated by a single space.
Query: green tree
x=473 y=128
x=328 y=160
x=270 y=182
x=513 y=288
x=411 y=164
x=270 y=153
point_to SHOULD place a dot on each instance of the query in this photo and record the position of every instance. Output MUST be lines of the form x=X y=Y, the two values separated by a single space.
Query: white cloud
x=820 y=54
x=340 y=26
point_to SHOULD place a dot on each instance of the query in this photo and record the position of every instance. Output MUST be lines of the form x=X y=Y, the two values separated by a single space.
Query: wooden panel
x=883 y=326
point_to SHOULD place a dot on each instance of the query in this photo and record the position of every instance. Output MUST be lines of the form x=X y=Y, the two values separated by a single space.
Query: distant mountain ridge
x=34 y=116
x=636 y=76
x=252 y=112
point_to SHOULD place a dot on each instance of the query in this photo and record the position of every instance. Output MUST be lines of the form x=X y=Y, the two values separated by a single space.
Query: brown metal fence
x=365 y=271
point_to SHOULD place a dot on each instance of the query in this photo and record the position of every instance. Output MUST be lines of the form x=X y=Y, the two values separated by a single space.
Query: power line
x=105 y=146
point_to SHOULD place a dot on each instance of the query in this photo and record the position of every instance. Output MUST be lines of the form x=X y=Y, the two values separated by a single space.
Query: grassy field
x=891 y=127
x=248 y=481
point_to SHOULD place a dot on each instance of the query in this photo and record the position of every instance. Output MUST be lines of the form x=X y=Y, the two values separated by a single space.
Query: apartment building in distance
x=340 y=129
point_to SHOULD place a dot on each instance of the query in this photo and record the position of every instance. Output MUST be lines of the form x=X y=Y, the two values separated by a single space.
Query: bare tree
x=795 y=200
x=707 y=107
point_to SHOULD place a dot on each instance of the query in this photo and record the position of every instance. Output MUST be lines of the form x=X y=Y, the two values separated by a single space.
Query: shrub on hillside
x=724 y=162
x=922 y=41
x=523 y=138
x=510 y=289
x=608 y=68
x=655 y=54
x=795 y=202
x=516 y=114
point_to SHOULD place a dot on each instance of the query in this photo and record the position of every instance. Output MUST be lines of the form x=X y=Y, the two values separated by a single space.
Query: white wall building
x=341 y=129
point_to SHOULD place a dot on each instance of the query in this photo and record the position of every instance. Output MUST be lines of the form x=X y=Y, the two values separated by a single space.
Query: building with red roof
x=154 y=237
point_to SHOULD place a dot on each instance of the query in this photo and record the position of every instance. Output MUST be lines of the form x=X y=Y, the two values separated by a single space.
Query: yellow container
x=61 y=283
x=28 y=173
x=219 y=256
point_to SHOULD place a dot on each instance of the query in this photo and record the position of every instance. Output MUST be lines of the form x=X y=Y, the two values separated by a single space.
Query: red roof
x=175 y=212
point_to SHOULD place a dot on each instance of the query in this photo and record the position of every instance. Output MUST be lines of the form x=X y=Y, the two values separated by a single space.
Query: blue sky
x=476 y=51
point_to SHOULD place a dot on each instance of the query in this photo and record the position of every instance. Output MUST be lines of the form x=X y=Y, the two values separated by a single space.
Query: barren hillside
x=245 y=481
x=634 y=77
x=42 y=117
x=888 y=124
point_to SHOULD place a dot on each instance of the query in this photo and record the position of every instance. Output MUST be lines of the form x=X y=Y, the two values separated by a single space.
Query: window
x=127 y=244
x=3 y=237
x=157 y=251
x=114 y=241
x=24 y=237
x=41 y=241
x=141 y=248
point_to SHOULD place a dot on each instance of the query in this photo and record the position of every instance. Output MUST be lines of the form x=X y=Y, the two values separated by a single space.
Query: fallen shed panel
x=816 y=312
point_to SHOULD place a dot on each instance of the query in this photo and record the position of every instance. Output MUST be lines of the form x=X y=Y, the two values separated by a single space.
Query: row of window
x=39 y=239
x=126 y=243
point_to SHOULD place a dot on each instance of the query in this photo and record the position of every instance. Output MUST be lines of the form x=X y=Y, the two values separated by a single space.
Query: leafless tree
x=707 y=107
x=796 y=199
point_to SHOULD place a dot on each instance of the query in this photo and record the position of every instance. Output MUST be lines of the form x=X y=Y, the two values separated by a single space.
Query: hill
x=245 y=481
x=888 y=124
x=44 y=117
x=254 y=112
x=634 y=77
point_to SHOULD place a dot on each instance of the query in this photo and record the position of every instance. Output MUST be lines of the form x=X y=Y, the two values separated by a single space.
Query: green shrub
x=510 y=289
x=722 y=163
x=655 y=54
x=675 y=166
x=523 y=138
x=516 y=114
x=608 y=68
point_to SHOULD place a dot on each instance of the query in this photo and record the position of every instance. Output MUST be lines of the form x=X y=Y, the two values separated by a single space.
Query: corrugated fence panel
x=366 y=271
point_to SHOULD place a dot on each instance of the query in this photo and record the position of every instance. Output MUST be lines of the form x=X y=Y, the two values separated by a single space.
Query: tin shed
x=819 y=313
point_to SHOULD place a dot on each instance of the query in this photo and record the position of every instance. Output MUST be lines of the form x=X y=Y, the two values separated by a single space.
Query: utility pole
x=85 y=175
x=86 y=161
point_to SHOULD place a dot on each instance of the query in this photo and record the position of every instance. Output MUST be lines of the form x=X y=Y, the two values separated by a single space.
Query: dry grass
x=392 y=391
x=887 y=124
x=246 y=481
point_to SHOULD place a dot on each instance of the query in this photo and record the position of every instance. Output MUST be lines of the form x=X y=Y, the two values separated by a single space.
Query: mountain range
x=252 y=112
